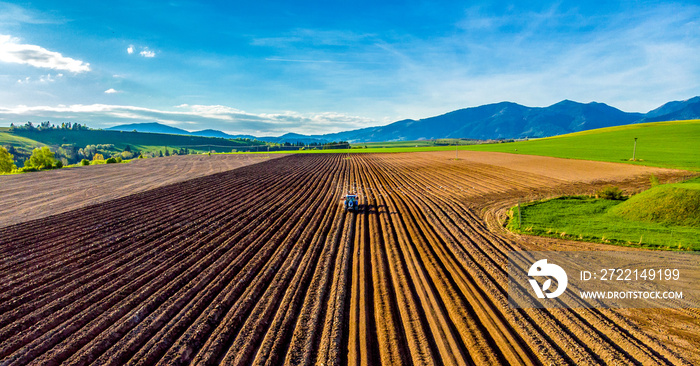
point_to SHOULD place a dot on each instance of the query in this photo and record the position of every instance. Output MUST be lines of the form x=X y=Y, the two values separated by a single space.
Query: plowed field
x=261 y=265
x=35 y=195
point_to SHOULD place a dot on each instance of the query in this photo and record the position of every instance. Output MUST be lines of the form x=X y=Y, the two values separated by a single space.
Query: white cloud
x=537 y=59
x=192 y=117
x=13 y=52
x=48 y=78
x=111 y=91
x=147 y=53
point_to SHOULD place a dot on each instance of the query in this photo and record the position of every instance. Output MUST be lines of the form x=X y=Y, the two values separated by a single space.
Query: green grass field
x=19 y=142
x=142 y=141
x=663 y=217
x=660 y=144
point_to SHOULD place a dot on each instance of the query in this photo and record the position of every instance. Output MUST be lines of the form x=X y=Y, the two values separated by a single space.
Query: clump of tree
x=128 y=153
x=89 y=151
x=42 y=158
x=7 y=161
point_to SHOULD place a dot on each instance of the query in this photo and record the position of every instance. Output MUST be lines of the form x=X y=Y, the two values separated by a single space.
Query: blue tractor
x=351 y=202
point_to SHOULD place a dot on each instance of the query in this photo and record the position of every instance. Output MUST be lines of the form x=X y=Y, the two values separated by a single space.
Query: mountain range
x=503 y=120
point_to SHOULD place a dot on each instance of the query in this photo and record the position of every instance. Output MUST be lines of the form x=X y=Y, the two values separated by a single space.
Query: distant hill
x=155 y=127
x=675 y=111
x=294 y=138
x=219 y=134
x=503 y=120
x=152 y=127
x=507 y=120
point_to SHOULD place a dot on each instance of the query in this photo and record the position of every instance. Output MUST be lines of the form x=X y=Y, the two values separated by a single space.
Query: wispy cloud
x=111 y=91
x=48 y=78
x=192 y=117
x=314 y=37
x=13 y=52
x=147 y=53
x=319 y=61
x=540 y=58
x=13 y=14
x=537 y=57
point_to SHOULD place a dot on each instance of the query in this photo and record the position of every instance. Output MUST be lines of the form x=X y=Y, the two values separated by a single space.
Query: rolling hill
x=21 y=141
x=503 y=120
x=661 y=144
x=675 y=111
x=155 y=127
x=152 y=127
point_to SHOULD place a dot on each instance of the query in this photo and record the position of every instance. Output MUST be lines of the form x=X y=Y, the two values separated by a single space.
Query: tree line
x=43 y=126
x=322 y=145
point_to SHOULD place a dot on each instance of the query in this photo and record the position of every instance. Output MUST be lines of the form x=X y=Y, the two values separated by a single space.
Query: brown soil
x=41 y=194
x=261 y=265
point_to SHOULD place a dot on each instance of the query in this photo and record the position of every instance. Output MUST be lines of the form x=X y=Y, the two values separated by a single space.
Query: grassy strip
x=589 y=219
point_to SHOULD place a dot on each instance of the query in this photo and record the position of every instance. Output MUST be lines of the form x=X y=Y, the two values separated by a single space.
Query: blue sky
x=270 y=67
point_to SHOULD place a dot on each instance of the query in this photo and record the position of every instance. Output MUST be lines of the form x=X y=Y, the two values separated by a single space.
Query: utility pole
x=634 y=151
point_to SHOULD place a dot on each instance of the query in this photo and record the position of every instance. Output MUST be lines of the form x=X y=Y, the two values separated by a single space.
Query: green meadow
x=671 y=144
x=137 y=140
x=674 y=144
x=664 y=217
x=19 y=142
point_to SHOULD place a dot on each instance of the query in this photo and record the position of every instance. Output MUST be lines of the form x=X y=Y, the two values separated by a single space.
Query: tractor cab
x=351 y=202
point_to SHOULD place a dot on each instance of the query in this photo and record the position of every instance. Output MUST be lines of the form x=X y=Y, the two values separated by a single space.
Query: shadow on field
x=374 y=209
